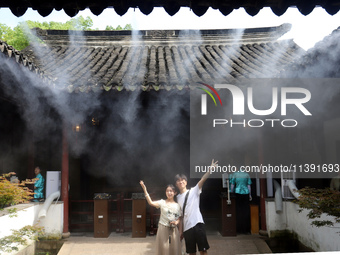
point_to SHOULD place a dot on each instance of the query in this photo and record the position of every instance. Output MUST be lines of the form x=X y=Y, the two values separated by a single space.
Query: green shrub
x=12 y=193
x=320 y=201
x=19 y=237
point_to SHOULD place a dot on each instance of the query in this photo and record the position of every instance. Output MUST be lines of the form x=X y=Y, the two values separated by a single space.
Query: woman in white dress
x=168 y=238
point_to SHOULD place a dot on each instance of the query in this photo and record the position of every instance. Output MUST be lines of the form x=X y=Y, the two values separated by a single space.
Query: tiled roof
x=158 y=62
x=199 y=7
x=12 y=53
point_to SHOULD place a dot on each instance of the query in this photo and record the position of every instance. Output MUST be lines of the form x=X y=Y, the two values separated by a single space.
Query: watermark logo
x=278 y=98
x=204 y=97
x=239 y=99
x=268 y=127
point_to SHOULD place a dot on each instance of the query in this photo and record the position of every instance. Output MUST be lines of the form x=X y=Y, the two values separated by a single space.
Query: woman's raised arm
x=147 y=196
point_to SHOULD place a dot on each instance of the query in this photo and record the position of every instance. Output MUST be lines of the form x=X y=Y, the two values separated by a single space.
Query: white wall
x=27 y=214
x=317 y=238
x=53 y=222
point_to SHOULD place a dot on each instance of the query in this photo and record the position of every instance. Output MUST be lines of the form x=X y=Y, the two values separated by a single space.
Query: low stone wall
x=28 y=250
x=27 y=214
x=317 y=238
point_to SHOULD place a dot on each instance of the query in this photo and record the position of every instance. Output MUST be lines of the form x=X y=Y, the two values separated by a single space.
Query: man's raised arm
x=207 y=174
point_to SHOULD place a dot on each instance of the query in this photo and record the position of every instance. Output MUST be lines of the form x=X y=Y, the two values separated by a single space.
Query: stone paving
x=117 y=244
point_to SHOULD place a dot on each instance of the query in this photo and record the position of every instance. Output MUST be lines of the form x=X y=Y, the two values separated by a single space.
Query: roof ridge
x=101 y=38
x=283 y=28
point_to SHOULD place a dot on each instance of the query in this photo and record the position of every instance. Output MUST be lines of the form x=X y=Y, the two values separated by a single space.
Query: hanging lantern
x=76 y=128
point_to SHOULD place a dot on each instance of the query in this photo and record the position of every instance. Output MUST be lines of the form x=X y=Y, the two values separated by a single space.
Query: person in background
x=193 y=225
x=38 y=185
x=168 y=238
x=241 y=184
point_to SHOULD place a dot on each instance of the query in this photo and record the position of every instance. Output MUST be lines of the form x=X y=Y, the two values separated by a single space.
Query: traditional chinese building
x=109 y=108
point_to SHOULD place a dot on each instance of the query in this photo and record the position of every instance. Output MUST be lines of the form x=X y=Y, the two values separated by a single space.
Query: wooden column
x=65 y=179
x=263 y=184
x=31 y=156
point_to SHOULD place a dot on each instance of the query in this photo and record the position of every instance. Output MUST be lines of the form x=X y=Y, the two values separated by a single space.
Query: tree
x=79 y=23
x=108 y=27
x=5 y=32
x=128 y=27
x=119 y=27
x=19 y=39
